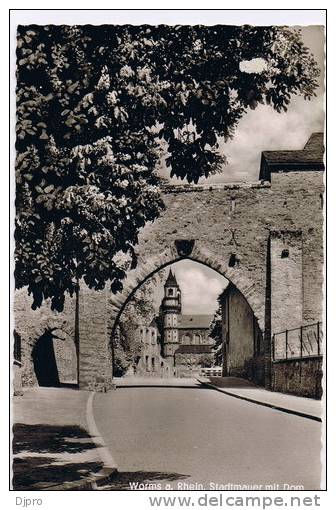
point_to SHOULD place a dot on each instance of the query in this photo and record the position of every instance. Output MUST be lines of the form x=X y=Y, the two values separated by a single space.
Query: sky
x=200 y=287
x=261 y=129
x=265 y=129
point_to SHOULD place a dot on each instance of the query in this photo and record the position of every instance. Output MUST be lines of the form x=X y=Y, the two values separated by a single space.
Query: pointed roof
x=308 y=158
x=171 y=280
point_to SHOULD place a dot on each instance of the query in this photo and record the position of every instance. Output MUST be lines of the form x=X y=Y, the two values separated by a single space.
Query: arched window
x=197 y=339
x=186 y=339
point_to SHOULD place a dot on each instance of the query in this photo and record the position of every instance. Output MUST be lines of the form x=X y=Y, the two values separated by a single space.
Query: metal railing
x=211 y=371
x=300 y=342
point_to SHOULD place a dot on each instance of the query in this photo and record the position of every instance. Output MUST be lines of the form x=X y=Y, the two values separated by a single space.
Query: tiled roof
x=194 y=321
x=309 y=158
x=194 y=349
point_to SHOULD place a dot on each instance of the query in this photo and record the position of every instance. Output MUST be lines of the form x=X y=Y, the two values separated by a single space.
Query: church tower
x=170 y=308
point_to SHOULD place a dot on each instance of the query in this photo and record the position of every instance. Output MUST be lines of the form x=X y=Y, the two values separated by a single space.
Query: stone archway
x=146 y=269
x=39 y=366
x=265 y=237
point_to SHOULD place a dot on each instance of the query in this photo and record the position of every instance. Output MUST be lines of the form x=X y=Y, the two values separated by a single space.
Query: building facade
x=151 y=362
x=243 y=343
x=186 y=344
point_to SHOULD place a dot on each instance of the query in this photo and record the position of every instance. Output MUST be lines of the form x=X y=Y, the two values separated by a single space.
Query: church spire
x=171 y=280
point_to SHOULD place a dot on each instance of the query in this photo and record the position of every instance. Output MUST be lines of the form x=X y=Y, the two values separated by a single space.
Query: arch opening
x=183 y=344
x=54 y=358
x=44 y=361
x=145 y=272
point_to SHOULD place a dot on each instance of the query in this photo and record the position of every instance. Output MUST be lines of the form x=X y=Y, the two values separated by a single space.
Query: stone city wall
x=227 y=227
x=301 y=377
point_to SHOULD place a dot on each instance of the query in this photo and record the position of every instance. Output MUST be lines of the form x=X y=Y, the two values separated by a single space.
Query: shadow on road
x=47 y=455
x=136 y=480
x=194 y=386
x=231 y=382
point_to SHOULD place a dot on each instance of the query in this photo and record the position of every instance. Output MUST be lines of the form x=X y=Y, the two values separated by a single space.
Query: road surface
x=177 y=434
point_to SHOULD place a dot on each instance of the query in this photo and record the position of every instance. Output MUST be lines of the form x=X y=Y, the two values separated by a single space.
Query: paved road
x=177 y=434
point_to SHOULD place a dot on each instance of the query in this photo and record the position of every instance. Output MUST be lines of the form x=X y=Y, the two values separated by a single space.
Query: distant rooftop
x=308 y=158
x=194 y=321
x=194 y=349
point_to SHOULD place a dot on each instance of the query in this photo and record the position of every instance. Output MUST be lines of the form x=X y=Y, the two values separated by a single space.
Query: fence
x=300 y=342
x=211 y=372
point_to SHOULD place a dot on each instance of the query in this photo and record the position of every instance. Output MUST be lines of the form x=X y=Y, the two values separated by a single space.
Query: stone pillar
x=286 y=280
x=95 y=359
x=284 y=290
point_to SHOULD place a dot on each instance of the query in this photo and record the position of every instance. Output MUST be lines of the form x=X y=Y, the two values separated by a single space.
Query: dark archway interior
x=44 y=361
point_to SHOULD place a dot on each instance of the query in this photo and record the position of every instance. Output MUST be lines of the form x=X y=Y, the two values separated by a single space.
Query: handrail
x=301 y=346
x=294 y=329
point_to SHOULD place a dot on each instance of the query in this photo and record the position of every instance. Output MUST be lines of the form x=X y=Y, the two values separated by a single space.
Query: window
x=197 y=339
x=170 y=292
x=186 y=339
x=153 y=364
x=285 y=254
x=233 y=260
x=147 y=363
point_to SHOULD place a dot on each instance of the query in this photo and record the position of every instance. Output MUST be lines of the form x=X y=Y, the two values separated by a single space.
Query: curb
x=265 y=404
x=109 y=469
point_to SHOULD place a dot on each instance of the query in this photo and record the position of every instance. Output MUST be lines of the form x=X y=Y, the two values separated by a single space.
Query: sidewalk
x=246 y=390
x=54 y=447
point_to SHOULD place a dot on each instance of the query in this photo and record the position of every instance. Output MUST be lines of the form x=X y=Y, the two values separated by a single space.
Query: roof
x=194 y=349
x=171 y=280
x=308 y=158
x=194 y=321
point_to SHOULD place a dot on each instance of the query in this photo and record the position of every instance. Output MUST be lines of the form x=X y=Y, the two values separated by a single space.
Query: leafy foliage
x=206 y=360
x=95 y=108
x=216 y=334
x=140 y=310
